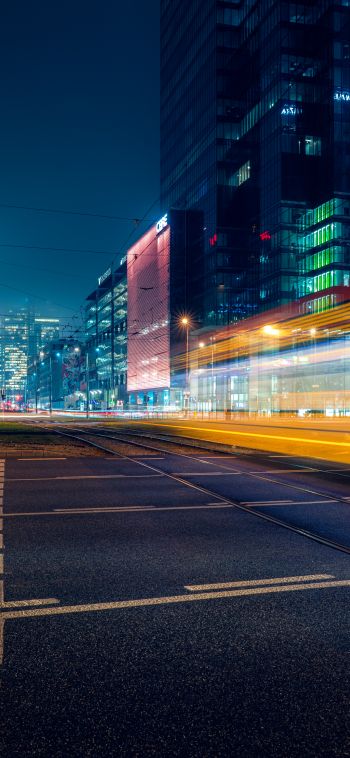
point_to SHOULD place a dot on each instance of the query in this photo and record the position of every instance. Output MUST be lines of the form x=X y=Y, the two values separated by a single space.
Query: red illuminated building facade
x=158 y=272
x=148 y=264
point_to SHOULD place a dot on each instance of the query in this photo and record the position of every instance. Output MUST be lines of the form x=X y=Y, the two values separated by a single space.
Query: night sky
x=79 y=131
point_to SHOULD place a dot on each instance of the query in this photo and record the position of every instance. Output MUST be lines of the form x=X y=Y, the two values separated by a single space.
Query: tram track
x=85 y=436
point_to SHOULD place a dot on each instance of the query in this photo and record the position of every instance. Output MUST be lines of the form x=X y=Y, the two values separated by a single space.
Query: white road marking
x=28 y=603
x=266 y=502
x=41 y=460
x=209 y=473
x=207 y=458
x=121 y=509
x=291 y=502
x=258 y=582
x=285 y=471
x=106 y=509
x=88 y=476
x=154 y=601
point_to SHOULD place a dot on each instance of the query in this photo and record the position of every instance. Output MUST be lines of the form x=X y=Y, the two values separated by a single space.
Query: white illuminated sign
x=343 y=95
x=291 y=110
x=104 y=276
x=162 y=223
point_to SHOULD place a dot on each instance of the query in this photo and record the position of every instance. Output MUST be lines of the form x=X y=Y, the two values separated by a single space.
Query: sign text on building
x=162 y=223
x=104 y=276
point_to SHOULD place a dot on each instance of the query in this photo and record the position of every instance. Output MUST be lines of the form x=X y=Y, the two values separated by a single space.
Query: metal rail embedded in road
x=212 y=493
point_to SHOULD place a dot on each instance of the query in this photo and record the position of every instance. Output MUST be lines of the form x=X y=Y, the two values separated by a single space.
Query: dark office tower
x=200 y=122
x=255 y=127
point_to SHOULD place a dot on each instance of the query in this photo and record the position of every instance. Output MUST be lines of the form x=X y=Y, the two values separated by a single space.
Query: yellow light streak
x=264 y=436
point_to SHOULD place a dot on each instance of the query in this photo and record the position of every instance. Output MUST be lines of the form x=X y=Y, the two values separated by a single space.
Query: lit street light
x=185 y=321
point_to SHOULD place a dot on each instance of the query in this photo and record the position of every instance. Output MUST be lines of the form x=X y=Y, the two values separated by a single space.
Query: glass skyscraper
x=255 y=128
x=14 y=337
x=106 y=338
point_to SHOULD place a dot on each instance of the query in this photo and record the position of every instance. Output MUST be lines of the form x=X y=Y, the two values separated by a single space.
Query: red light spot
x=265 y=236
x=213 y=240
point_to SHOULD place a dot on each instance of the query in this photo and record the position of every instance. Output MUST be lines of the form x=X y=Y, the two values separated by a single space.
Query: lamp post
x=87 y=368
x=185 y=322
x=42 y=362
x=50 y=380
x=313 y=372
x=212 y=342
x=36 y=366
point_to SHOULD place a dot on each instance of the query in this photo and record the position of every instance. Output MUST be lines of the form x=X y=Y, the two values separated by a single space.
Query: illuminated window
x=313 y=146
x=241 y=175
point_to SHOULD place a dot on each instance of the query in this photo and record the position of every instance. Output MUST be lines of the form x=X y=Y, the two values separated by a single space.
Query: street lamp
x=36 y=376
x=185 y=322
x=313 y=372
x=42 y=359
x=212 y=342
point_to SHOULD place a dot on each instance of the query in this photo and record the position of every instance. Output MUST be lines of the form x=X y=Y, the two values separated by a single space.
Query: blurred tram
x=292 y=360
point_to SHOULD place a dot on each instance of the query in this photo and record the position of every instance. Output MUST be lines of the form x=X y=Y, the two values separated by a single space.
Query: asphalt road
x=145 y=615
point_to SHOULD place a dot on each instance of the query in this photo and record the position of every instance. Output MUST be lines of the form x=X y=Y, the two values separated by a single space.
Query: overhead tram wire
x=135 y=220
x=55 y=249
x=46 y=270
x=60 y=211
x=38 y=297
x=121 y=252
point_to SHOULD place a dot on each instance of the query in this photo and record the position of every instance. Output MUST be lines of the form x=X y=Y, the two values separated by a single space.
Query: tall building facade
x=106 y=339
x=22 y=335
x=42 y=330
x=14 y=341
x=158 y=302
x=255 y=127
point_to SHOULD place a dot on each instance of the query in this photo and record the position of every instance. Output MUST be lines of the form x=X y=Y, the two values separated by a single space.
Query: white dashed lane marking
x=299 y=586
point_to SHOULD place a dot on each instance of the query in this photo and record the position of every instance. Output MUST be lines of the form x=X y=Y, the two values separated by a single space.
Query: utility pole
x=87 y=368
x=50 y=379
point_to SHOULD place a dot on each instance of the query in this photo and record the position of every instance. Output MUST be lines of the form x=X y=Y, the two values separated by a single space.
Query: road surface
x=145 y=614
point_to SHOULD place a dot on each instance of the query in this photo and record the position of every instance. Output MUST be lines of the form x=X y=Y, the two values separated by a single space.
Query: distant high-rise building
x=22 y=336
x=255 y=128
x=42 y=330
x=14 y=336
